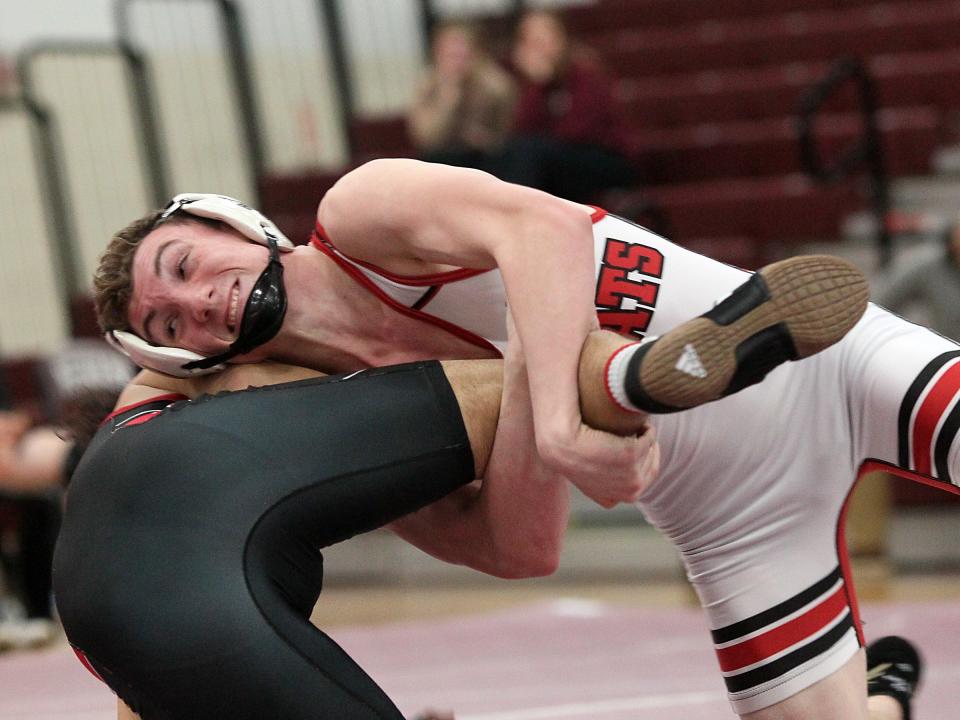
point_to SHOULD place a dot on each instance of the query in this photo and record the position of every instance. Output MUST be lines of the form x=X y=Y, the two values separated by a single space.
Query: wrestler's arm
x=519 y=513
x=511 y=524
x=416 y=218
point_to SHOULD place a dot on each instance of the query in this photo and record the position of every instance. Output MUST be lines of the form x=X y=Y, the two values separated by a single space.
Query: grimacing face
x=191 y=282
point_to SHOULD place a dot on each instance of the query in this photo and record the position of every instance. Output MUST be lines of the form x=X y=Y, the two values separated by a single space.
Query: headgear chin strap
x=263 y=312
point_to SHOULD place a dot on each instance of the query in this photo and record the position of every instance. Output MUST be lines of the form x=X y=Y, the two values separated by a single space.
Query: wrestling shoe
x=893 y=668
x=786 y=311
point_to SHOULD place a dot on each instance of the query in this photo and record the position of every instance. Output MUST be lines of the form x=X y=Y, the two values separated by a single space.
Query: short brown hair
x=113 y=280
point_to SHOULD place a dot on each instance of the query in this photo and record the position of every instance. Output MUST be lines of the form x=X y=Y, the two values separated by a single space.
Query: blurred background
x=749 y=130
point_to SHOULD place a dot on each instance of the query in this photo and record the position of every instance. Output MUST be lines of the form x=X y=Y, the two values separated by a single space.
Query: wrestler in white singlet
x=753 y=488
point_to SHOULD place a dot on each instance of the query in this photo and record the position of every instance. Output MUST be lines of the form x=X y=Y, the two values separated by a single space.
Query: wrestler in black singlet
x=188 y=563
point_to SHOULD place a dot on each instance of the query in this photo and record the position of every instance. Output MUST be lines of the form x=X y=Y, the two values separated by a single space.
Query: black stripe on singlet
x=788 y=662
x=767 y=617
x=426 y=297
x=910 y=400
x=944 y=440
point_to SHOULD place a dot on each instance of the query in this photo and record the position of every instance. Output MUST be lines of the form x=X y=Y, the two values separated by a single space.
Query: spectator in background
x=31 y=457
x=36 y=462
x=930 y=281
x=569 y=139
x=31 y=472
x=463 y=108
x=78 y=387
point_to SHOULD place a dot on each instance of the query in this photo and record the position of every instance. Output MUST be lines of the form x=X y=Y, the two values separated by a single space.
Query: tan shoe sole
x=787 y=311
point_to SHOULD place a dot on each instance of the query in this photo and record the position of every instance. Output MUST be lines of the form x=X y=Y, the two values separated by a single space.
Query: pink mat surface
x=570 y=659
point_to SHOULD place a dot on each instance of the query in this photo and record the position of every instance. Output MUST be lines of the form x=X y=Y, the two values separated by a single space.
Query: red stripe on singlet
x=86 y=663
x=873 y=465
x=598 y=214
x=169 y=397
x=843 y=554
x=763 y=646
x=929 y=415
x=320 y=238
x=354 y=272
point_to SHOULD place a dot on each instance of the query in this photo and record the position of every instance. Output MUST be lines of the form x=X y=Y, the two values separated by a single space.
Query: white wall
x=23 y=21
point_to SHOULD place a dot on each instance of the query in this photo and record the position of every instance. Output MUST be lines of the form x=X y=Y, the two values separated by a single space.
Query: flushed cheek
x=205 y=343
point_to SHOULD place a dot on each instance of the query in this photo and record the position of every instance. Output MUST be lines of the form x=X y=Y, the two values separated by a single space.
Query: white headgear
x=248 y=222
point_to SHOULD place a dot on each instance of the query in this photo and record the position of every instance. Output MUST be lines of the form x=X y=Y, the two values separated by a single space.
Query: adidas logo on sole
x=689 y=362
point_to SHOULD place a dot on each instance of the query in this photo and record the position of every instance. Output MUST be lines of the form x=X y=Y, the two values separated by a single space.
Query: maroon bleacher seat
x=291 y=201
x=916 y=78
x=381 y=137
x=785 y=208
x=22 y=386
x=771 y=147
x=821 y=35
x=83 y=317
x=606 y=15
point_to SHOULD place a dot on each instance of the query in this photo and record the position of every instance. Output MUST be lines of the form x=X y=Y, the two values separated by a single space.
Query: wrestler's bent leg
x=882 y=399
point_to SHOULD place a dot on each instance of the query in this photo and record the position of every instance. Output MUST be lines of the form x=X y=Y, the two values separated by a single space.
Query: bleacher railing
x=99 y=145
x=35 y=269
x=866 y=154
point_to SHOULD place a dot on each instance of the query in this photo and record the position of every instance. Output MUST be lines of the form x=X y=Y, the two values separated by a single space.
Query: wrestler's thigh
x=899 y=379
x=751 y=494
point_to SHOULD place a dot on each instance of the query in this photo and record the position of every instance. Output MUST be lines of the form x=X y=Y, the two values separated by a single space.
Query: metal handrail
x=231 y=25
x=55 y=197
x=866 y=153
x=330 y=16
x=141 y=101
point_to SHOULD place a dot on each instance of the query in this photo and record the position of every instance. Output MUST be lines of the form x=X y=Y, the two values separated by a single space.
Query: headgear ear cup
x=168 y=360
x=263 y=311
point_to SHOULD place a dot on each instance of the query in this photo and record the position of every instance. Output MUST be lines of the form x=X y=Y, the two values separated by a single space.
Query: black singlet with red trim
x=189 y=561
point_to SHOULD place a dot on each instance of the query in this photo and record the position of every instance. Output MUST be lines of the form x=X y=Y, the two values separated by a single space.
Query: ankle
x=598 y=406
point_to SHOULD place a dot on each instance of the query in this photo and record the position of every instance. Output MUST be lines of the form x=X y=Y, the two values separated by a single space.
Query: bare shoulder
x=147 y=385
x=361 y=182
x=378 y=184
x=381 y=211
